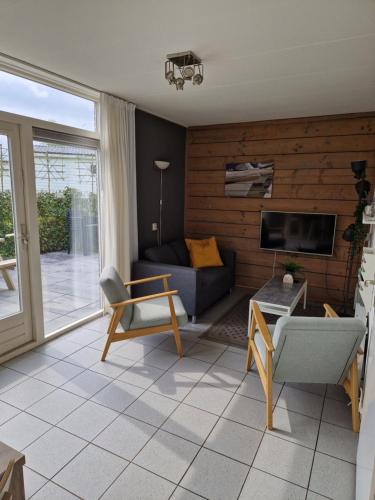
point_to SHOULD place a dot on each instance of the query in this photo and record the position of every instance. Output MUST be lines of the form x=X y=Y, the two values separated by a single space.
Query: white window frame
x=26 y=125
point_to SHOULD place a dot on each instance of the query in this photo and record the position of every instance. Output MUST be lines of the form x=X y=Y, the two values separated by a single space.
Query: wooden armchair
x=306 y=350
x=5 y=482
x=156 y=313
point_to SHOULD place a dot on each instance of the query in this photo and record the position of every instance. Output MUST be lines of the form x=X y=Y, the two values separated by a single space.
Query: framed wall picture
x=249 y=180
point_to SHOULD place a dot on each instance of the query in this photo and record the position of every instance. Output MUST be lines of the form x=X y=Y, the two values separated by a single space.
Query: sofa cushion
x=115 y=291
x=204 y=253
x=156 y=312
x=163 y=255
x=180 y=249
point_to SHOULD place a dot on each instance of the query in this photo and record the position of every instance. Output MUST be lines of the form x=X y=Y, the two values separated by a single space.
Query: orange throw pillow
x=204 y=253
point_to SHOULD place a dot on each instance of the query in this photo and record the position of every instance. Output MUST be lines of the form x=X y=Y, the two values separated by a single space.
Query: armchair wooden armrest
x=262 y=327
x=146 y=280
x=143 y=299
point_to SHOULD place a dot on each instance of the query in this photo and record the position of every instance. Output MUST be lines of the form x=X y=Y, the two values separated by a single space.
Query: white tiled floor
x=147 y=426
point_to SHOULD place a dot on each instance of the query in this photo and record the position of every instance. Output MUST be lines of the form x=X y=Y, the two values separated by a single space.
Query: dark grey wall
x=158 y=139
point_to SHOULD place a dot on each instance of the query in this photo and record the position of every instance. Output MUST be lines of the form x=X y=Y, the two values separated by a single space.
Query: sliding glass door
x=15 y=311
x=67 y=203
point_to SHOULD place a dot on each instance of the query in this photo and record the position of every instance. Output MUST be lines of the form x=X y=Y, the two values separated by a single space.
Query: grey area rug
x=232 y=328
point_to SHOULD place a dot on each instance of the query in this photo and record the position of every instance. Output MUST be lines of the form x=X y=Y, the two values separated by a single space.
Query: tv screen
x=298 y=232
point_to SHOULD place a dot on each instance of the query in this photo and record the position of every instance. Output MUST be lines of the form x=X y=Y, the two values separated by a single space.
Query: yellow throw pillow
x=204 y=253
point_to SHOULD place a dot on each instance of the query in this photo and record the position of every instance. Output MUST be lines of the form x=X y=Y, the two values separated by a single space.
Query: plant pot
x=288 y=279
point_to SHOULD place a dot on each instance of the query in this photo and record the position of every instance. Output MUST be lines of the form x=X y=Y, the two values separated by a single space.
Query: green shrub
x=52 y=218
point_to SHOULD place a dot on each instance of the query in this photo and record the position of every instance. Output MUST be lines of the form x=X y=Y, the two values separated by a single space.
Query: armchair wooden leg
x=177 y=338
x=115 y=319
x=248 y=356
x=354 y=395
x=269 y=390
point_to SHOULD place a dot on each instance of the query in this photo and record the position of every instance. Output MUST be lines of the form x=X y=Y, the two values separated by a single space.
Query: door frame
x=19 y=323
x=26 y=126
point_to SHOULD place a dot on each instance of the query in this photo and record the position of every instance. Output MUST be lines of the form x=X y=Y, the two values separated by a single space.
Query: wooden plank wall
x=312 y=174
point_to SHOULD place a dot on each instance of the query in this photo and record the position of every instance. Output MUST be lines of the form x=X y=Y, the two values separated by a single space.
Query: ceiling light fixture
x=182 y=67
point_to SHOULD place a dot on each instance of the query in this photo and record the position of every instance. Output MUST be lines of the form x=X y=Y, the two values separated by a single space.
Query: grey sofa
x=198 y=288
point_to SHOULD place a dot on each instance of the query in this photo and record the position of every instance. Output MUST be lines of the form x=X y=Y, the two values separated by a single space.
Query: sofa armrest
x=183 y=279
x=229 y=260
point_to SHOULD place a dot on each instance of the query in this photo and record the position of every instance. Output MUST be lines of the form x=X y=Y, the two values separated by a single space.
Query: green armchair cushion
x=156 y=312
x=313 y=350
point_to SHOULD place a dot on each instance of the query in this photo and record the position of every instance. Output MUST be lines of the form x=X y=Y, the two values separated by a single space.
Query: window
x=28 y=98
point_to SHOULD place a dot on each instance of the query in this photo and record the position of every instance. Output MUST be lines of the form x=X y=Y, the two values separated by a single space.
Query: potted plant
x=290 y=269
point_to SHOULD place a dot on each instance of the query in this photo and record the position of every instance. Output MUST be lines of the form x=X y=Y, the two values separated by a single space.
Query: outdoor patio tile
x=206 y=352
x=33 y=481
x=139 y=484
x=10 y=378
x=190 y=423
x=338 y=442
x=86 y=384
x=141 y=375
x=234 y=440
x=166 y=455
x=48 y=454
x=59 y=373
x=22 y=430
x=173 y=386
x=262 y=486
x=30 y=363
x=85 y=357
x=224 y=378
x=55 y=406
x=51 y=490
x=246 y=411
x=125 y=436
x=295 y=427
x=252 y=387
x=233 y=360
x=209 y=398
x=300 y=401
x=56 y=324
x=91 y=472
x=26 y=393
x=337 y=413
x=190 y=368
x=160 y=359
x=117 y=395
x=7 y=412
x=152 y=408
x=285 y=460
x=88 y=420
x=324 y=478
x=215 y=477
x=59 y=348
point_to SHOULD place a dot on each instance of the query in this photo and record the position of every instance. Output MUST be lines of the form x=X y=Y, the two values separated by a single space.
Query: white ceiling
x=263 y=59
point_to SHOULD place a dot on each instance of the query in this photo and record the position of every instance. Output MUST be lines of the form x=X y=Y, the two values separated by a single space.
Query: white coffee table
x=277 y=298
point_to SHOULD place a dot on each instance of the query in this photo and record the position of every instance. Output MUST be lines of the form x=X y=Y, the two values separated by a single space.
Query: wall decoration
x=249 y=180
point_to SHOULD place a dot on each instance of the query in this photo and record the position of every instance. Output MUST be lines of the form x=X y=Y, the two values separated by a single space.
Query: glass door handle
x=24 y=234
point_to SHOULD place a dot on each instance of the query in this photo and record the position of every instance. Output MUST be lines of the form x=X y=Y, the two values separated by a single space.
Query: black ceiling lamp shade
x=359 y=168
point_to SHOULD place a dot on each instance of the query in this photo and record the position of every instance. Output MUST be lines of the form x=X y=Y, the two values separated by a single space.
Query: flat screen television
x=298 y=232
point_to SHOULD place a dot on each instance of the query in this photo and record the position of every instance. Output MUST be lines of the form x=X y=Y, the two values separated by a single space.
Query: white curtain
x=119 y=190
